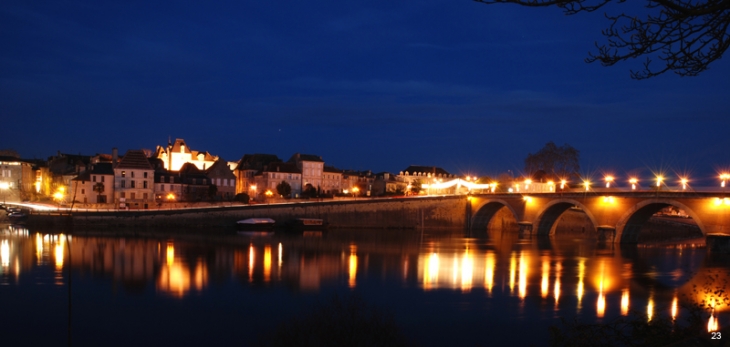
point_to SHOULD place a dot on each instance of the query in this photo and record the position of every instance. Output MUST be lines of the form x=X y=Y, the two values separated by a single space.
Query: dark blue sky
x=371 y=85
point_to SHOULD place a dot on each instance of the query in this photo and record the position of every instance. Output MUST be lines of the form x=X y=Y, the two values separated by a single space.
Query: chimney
x=115 y=154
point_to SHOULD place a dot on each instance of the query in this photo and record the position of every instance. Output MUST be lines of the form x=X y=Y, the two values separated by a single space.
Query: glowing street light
x=354 y=191
x=170 y=197
x=684 y=182
x=633 y=182
x=551 y=186
x=724 y=177
x=493 y=186
x=608 y=179
x=527 y=183
x=659 y=180
x=562 y=184
x=269 y=193
x=587 y=184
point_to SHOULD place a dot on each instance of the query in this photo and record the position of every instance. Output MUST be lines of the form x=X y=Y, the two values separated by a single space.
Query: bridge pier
x=525 y=228
x=606 y=233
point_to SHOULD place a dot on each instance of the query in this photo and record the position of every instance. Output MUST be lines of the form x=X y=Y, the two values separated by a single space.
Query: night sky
x=376 y=85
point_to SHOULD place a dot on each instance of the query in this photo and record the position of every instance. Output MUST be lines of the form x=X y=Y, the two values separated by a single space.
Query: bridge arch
x=630 y=223
x=546 y=221
x=486 y=211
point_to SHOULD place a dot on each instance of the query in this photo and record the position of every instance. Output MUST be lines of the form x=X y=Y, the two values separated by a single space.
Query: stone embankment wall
x=431 y=212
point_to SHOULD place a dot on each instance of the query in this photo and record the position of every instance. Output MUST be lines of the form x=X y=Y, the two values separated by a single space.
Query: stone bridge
x=617 y=216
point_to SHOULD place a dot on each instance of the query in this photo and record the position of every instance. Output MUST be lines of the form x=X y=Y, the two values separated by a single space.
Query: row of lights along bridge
x=609 y=180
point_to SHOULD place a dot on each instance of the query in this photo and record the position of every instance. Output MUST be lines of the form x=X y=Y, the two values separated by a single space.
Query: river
x=214 y=287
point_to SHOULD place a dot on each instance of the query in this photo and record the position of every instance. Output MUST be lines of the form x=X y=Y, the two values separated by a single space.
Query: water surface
x=215 y=288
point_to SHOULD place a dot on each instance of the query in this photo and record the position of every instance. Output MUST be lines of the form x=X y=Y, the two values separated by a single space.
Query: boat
x=17 y=217
x=306 y=224
x=265 y=225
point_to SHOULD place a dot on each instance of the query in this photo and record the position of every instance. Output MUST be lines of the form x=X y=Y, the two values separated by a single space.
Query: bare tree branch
x=685 y=36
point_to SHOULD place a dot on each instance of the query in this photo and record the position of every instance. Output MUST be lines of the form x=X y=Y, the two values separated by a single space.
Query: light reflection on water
x=497 y=278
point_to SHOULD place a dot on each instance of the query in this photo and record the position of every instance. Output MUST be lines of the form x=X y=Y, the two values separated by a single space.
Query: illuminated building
x=175 y=155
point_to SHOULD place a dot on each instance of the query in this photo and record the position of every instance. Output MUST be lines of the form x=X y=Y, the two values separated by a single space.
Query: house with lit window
x=387 y=184
x=133 y=180
x=248 y=167
x=195 y=185
x=17 y=178
x=331 y=180
x=275 y=173
x=93 y=186
x=311 y=167
x=223 y=178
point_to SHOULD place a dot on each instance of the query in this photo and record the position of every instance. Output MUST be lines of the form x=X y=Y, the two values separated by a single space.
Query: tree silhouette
x=686 y=35
x=563 y=161
x=284 y=189
x=99 y=189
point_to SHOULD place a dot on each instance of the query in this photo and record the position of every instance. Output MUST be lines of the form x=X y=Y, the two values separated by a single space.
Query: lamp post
x=609 y=179
x=633 y=182
x=724 y=177
x=684 y=182
x=354 y=192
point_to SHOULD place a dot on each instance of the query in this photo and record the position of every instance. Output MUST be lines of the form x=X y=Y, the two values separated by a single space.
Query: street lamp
x=684 y=182
x=527 y=183
x=633 y=182
x=609 y=179
x=354 y=191
x=724 y=177
x=562 y=184
x=659 y=180
x=587 y=184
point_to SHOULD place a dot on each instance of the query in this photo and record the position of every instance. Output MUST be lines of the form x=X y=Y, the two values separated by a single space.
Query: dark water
x=211 y=288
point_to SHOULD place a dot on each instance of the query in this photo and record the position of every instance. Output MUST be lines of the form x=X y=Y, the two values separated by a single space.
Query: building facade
x=133 y=180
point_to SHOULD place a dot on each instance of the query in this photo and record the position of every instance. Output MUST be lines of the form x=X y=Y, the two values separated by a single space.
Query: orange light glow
x=609 y=180
x=467 y=271
x=352 y=270
x=5 y=253
x=712 y=324
x=556 y=288
x=581 y=277
x=625 y=302
x=489 y=274
x=545 y=277
x=633 y=182
x=267 y=263
x=523 y=276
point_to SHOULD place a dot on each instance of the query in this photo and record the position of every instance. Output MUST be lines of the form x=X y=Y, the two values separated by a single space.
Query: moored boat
x=307 y=224
x=255 y=225
x=17 y=217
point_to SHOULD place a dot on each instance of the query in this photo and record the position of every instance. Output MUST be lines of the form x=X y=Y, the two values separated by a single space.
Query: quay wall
x=397 y=213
